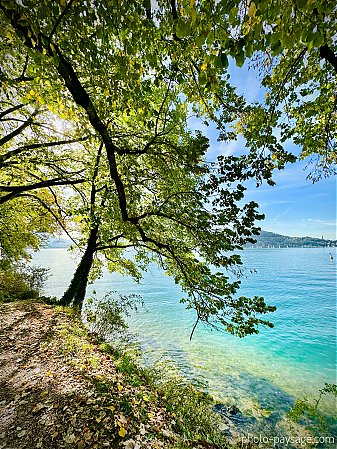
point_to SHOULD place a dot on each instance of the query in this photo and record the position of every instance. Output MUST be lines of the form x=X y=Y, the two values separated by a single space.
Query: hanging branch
x=18 y=190
x=18 y=130
x=48 y=208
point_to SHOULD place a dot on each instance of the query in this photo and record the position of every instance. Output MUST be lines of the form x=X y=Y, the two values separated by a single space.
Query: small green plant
x=19 y=282
x=34 y=276
x=308 y=413
x=106 y=316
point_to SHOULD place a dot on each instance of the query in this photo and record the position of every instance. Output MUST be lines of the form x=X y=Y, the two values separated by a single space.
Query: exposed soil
x=59 y=389
x=39 y=393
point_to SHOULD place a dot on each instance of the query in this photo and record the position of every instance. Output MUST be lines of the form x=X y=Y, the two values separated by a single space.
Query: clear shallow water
x=264 y=371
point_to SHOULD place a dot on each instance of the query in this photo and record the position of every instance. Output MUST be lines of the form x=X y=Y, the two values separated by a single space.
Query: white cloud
x=323 y=222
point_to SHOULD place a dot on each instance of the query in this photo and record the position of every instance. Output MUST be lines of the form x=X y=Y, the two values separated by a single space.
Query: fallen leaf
x=22 y=433
x=122 y=432
x=167 y=433
x=38 y=407
x=122 y=419
x=131 y=444
x=88 y=436
x=69 y=438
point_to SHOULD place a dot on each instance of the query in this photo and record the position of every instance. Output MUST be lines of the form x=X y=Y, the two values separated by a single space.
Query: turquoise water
x=265 y=371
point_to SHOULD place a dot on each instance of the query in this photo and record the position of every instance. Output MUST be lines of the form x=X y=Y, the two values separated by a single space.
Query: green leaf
x=183 y=28
x=224 y=60
x=301 y=4
x=194 y=15
x=7 y=4
x=240 y=59
x=276 y=48
x=319 y=40
x=233 y=15
x=200 y=41
x=249 y=50
x=202 y=78
x=274 y=37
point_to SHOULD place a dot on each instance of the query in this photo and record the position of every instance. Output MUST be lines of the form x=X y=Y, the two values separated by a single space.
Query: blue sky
x=295 y=206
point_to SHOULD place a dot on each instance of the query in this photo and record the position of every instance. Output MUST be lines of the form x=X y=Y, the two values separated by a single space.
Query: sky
x=294 y=206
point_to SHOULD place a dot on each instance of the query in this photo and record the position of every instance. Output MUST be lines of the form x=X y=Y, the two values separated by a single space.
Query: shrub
x=18 y=282
x=308 y=413
x=106 y=316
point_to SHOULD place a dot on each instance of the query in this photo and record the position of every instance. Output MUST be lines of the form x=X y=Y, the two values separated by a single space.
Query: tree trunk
x=75 y=293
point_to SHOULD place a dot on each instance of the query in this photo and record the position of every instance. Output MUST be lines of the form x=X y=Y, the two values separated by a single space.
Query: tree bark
x=75 y=293
x=326 y=53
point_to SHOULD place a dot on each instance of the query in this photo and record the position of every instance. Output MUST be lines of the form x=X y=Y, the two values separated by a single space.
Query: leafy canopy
x=126 y=75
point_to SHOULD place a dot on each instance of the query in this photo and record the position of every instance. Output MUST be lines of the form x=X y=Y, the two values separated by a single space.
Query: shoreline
x=63 y=388
x=263 y=367
x=112 y=375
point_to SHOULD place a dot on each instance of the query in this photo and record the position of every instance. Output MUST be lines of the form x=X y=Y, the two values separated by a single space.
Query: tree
x=90 y=219
x=180 y=226
x=131 y=72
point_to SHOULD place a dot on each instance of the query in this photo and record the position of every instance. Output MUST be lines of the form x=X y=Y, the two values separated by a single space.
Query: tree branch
x=41 y=43
x=58 y=21
x=326 y=53
x=9 y=110
x=34 y=146
x=18 y=190
x=285 y=80
x=174 y=10
x=18 y=130
x=45 y=205
x=194 y=327
x=22 y=77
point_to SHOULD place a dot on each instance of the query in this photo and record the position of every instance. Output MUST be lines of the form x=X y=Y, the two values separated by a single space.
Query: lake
x=264 y=372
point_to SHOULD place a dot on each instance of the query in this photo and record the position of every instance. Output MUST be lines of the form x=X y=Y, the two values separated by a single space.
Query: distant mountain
x=270 y=239
x=56 y=242
x=264 y=240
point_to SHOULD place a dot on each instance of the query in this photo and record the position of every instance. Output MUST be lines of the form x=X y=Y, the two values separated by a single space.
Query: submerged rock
x=233 y=410
x=233 y=415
